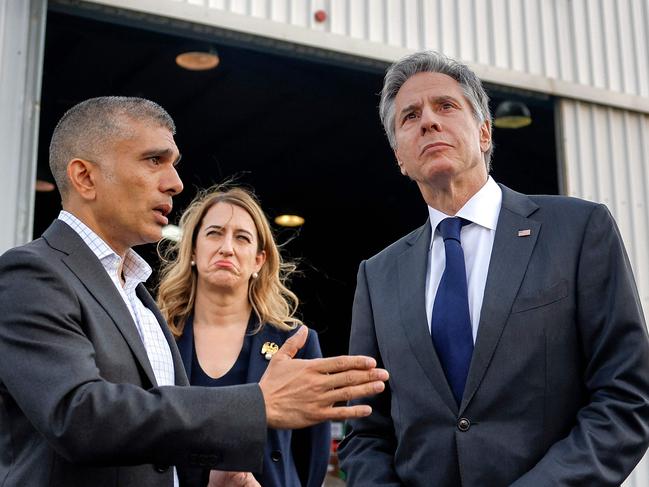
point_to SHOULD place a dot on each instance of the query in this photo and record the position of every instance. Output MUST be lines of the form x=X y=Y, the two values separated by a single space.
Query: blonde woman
x=224 y=298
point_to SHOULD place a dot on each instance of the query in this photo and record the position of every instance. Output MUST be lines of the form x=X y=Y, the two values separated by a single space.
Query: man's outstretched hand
x=300 y=393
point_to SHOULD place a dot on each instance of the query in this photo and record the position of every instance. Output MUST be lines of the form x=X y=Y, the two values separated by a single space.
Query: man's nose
x=429 y=121
x=172 y=184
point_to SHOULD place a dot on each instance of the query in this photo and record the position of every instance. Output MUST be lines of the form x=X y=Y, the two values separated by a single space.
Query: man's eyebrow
x=443 y=98
x=435 y=99
x=166 y=152
x=409 y=108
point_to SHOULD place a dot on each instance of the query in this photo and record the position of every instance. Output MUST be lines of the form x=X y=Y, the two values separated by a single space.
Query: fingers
x=355 y=377
x=345 y=394
x=293 y=344
x=344 y=362
x=341 y=413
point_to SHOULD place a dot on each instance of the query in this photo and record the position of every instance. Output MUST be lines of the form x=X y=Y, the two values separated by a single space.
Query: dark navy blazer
x=292 y=458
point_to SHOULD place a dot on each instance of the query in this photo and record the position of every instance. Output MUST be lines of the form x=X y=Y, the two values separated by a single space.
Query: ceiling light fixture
x=198 y=60
x=512 y=115
x=289 y=220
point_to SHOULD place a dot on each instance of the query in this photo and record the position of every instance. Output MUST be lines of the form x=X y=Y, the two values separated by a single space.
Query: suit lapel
x=509 y=260
x=84 y=264
x=412 y=265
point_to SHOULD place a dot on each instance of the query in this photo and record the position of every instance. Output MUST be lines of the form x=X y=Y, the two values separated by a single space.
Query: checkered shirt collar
x=135 y=267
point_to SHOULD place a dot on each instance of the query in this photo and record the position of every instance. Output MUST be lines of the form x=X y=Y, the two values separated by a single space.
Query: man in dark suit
x=510 y=324
x=89 y=372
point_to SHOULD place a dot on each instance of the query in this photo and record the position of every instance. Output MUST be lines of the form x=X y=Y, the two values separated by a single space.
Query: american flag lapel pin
x=525 y=233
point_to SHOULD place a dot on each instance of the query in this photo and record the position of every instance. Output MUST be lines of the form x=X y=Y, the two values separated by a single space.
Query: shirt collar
x=482 y=208
x=135 y=267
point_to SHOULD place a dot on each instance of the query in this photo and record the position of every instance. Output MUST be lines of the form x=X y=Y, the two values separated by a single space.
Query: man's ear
x=400 y=164
x=485 y=136
x=82 y=176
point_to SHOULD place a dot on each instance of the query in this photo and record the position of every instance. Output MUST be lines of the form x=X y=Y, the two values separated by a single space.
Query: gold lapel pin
x=525 y=233
x=268 y=349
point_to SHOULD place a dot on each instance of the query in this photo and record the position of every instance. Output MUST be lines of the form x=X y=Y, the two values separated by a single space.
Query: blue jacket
x=292 y=458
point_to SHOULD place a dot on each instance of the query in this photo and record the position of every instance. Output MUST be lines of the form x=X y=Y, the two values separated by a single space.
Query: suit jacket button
x=161 y=468
x=463 y=425
x=276 y=455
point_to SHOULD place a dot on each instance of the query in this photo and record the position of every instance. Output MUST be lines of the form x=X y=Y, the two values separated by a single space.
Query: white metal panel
x=482 y=34
x=640 y=59
x=446 y=22
x=22 y=25
x=517 y=59
x=595 y=47
x=533 y=46
x=394 y=19
x=375 y=20
x=467 y=12
x=299 y=14
x=548 y=29
x=499 y=33
x=411 y=24
x=626 y=48
x=260 y=8
x=280 y=11
x=612 y=49
x=579 y=45
x=357 y=19
x=564 y=42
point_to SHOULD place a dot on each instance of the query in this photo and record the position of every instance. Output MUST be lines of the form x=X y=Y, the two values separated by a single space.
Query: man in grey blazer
x=89 y=373
x=532 y=369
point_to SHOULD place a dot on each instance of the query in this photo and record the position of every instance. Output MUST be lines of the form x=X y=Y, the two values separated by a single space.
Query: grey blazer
x=79 y=404
x=558 y=388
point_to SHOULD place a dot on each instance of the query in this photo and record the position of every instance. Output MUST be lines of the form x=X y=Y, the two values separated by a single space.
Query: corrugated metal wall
x=22 y=27
x=600 y=43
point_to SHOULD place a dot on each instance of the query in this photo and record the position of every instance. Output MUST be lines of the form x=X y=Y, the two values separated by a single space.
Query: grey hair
x=86 y=129
x=432 y=62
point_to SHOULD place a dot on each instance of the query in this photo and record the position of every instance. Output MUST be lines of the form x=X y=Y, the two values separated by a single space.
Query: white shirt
x=482 y=210
x=135 y=271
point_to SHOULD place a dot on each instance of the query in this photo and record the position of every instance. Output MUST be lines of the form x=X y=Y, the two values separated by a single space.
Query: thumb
x=293 y=344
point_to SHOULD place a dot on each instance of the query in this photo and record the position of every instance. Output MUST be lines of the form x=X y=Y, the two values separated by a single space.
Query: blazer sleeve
x=48 y=369
x=611 y=431
x=310 y=446
x=367 y=452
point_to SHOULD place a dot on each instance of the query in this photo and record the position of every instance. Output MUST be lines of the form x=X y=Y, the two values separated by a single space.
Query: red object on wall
x=320 y=16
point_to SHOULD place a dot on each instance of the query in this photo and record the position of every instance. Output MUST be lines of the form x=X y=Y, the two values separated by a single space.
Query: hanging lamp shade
x=512 y=115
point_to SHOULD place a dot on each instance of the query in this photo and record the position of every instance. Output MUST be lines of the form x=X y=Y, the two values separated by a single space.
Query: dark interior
x=303 y=132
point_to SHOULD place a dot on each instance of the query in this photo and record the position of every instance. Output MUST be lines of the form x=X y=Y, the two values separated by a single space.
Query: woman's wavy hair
x=271 y=300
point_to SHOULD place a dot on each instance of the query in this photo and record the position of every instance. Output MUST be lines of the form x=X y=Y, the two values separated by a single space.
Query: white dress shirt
x=482 y=210
x=135 y=271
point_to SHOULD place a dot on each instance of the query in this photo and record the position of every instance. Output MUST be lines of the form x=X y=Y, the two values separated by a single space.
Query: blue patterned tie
x=451 y=321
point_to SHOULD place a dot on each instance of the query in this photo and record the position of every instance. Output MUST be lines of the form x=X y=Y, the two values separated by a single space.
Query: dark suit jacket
x=558 y=389
x=79 y=404
x=292 y=458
